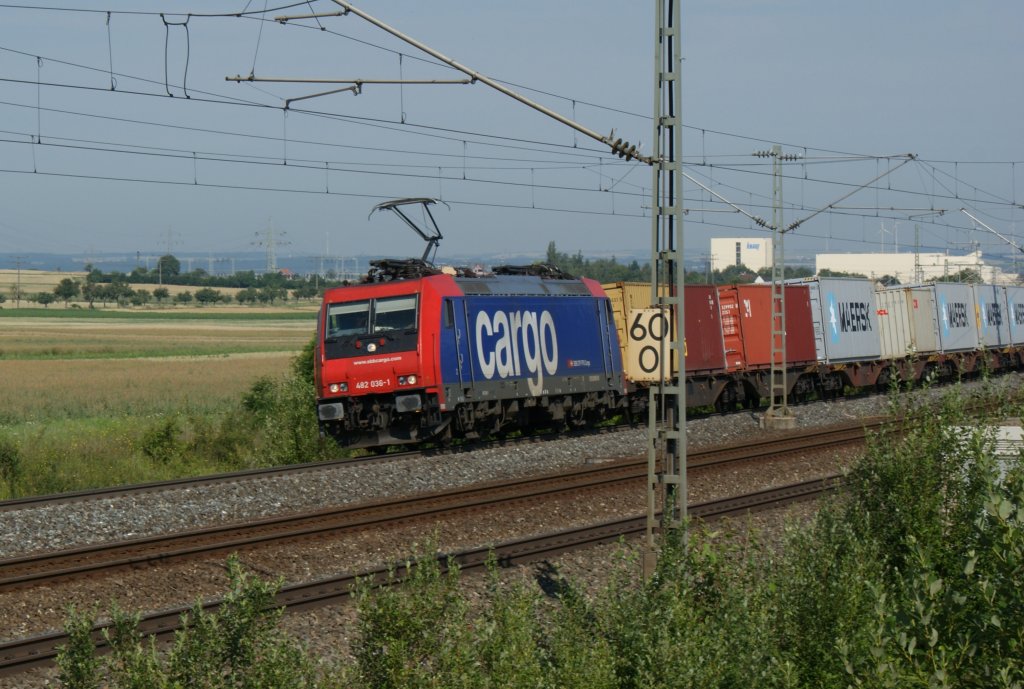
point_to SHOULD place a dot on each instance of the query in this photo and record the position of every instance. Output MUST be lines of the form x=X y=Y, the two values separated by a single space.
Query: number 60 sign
x=649 y=340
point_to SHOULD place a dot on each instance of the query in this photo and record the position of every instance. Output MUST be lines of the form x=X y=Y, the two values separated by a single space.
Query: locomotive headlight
x=411 y=380
x=338 y=387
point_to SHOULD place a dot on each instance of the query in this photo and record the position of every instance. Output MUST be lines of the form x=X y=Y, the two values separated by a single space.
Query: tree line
x=610 y=270
x=115 y=287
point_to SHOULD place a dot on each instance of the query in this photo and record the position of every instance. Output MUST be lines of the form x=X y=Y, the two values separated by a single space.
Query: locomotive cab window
x=394 y=313
x=351 y=318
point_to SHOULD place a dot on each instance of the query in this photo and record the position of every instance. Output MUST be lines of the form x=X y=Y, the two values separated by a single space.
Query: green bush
x=77 y=664
x=290 y=430
x=240 y=646
x=10 y=465
x=261 y=397
x=414 y=637
x=302 y=364
x=162 y=441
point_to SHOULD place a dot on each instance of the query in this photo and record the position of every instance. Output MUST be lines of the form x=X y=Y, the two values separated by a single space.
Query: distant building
x=754 y=253
x=908 y=269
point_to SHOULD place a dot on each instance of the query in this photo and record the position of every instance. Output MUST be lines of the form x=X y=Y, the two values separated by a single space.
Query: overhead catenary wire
x=233 y=100
x=596 y=154
x=260 y=15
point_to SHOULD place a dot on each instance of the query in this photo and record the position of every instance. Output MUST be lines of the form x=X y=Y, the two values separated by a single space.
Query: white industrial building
x=754 y=253
x=907 y=267
x=911 y=267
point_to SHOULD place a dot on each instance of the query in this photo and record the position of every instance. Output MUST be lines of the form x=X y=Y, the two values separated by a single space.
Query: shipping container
x=954 y=311
x=746 y=326
x=845 y=326
x=704 y=348
x=1015 y=313
x=990 y=316
x=906 y=321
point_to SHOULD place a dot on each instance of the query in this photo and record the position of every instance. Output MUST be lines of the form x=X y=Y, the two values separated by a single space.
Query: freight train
x=415 y=354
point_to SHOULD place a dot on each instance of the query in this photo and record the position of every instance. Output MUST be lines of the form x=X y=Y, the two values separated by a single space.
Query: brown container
x=746 y=326
x=705 y=348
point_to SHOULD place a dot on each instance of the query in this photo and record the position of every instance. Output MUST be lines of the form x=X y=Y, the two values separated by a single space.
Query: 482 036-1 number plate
x=372 y=384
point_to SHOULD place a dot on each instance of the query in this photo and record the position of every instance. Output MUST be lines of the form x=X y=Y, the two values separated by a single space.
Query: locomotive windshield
x=390 y=317
x=348 y=319
x=394 y=313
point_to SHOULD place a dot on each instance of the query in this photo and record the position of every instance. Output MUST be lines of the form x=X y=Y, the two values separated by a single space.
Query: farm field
x=98 y=401
x=146 y=334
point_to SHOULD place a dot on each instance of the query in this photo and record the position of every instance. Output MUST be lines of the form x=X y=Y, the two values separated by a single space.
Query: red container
x=704 y=346
x=746 y=326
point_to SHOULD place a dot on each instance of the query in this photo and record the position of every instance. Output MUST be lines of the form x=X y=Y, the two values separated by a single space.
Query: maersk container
x=845 y=327
x=906 y=321
x=990 y=316
x=746 y=326
x=1015 y=313
x=704 y=348
x=954 y=309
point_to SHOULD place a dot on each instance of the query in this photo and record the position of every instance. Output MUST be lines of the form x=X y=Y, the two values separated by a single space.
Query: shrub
x=261 y=397
x=414 y=637
x=10 y=462
x=238 y=646
x=302 y=364
x=161 y=442
x=78 y=666
x=225 y=441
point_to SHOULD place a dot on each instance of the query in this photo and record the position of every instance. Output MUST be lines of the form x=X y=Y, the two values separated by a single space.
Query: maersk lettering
x=854 y=316
x=993 y=314
x=956 y=314
x=506 y=341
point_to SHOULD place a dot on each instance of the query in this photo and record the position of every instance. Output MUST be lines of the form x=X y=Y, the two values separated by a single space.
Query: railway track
x=24 y=654
x=48 y=567
x=142 y=489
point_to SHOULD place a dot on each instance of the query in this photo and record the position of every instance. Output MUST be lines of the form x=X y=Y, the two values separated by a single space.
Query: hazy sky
x=96 y=156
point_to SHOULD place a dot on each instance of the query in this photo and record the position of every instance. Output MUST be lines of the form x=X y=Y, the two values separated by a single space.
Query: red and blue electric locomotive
x=415 y=355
